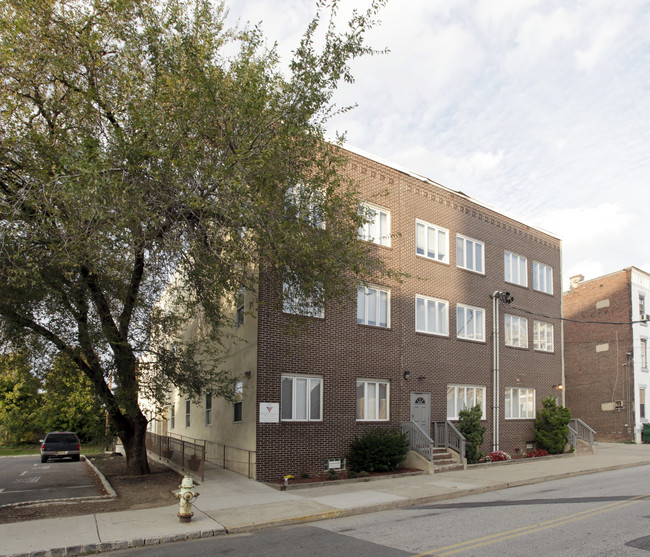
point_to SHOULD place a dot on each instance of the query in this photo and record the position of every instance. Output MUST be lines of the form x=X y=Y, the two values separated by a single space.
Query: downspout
x=495 y=371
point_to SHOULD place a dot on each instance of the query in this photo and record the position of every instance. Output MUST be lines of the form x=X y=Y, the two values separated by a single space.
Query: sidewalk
x=230 y=503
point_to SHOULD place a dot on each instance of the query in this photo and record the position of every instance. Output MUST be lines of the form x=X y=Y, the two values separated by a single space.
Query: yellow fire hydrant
x=186 y=497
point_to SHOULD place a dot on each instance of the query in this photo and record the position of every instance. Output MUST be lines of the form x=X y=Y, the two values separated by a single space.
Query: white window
x=432 y=241
x=431 y=316
x=377 y=229
x=642 y=312
x=372 y=400
x=464 y=397
x=520 y=403
x=642 y=402
x=239 y=308
x=188 y=407
x=470 y=254
x=373 y=306
x=542 y=336
x=542 y=277
x=305 y=204
x=172 y=417
x=294 y=301
x=644 y=353
x=208 y=409
x=515 y=269
x=302 y=398
x=239 y=402
x=516 y=331
x=470 y=322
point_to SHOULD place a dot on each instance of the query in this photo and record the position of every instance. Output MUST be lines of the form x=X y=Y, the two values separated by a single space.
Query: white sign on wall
x=269 y=412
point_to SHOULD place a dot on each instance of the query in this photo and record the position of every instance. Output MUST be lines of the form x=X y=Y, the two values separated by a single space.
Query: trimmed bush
x=552 y=426
x=469 y=424
x=379 y=450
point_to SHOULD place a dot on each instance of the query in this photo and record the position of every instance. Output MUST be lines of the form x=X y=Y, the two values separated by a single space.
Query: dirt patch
x=133 y=492
x=343 y=475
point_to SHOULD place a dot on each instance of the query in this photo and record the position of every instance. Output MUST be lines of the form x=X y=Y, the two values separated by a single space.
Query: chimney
x=575 y=280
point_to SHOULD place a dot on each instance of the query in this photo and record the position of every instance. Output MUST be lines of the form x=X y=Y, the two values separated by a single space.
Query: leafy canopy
x=142 y=140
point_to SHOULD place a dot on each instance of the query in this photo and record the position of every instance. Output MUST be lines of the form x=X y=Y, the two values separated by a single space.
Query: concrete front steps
x=443 y=461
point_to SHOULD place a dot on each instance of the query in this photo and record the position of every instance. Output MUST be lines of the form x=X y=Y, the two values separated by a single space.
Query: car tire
x=43 y=459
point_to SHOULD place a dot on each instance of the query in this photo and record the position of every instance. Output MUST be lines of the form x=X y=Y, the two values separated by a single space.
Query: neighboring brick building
x=421 y=349
x=605 y=351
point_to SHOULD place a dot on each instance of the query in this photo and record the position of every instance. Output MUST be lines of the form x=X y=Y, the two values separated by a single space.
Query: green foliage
x=20 y=400
x=551 y=426
x=332 y=475
x=70 y=403
x=378 y=450
x=469 y=424
x=137 y=145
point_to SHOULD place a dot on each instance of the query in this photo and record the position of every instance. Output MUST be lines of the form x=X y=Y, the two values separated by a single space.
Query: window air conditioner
x=619 y=404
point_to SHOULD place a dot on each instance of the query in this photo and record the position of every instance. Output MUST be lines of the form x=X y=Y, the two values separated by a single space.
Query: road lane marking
x=531 y=528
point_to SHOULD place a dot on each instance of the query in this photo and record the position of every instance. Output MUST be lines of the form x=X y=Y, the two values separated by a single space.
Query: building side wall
x=598 y=371
x=340 y=351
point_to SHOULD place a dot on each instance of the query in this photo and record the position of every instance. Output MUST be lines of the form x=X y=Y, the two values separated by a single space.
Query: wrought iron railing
x=446 y=435
x=419 y=441
x=184 y=454
x=580 y=430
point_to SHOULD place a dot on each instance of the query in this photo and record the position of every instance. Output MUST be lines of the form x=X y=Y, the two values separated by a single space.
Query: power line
x=579 y=320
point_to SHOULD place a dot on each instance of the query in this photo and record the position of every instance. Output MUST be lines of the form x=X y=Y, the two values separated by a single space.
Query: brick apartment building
x=417 y=350
x=606 y=358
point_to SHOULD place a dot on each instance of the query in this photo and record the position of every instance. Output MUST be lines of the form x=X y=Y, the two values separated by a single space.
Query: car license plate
x=62 y=452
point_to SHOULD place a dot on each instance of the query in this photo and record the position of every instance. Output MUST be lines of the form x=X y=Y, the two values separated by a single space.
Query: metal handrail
x=446 y=435
x=419 y=441
x=184 y=454
x=580 y=430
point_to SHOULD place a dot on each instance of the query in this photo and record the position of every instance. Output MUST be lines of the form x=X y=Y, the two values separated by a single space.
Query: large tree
x=141 y=141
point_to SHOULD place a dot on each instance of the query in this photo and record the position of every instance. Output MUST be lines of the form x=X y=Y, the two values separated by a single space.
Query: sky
x=540 y=108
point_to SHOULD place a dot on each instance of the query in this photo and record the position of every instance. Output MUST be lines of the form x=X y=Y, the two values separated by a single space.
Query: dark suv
x=60 y=444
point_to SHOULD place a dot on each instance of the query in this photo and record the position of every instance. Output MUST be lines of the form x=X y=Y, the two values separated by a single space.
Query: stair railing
x=446 y=435
x=580 y=430
x=419 y=441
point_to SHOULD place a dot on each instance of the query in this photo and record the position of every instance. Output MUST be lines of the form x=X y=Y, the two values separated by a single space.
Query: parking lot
x=25 y=478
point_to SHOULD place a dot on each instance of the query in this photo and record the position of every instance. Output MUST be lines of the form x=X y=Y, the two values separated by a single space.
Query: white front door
x=421 y=410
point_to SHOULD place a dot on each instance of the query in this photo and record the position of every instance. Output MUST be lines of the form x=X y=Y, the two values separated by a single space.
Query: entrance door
x=421 y=410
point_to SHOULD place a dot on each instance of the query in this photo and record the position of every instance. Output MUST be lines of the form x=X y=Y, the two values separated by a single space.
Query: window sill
x=472 y=340
x=479 y=273
x=516 y=347
x=431 y=259
x=378 y=327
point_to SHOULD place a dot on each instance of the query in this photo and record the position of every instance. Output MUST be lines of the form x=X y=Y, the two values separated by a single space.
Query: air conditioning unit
x=645 y=317
x=619 y=403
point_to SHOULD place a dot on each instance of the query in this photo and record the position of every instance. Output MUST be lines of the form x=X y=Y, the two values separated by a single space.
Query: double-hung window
x=519 y=403
x=238 y=403
x=372 y=400
x=470 y=323
x=208 y=409
x=373 y=306
x=377 y=229
x=172 y=416
x=464 y=397
x=239 y=308
x=644 y=353
x=301 y=398
x=188 y=407
x=470 y=254
x=542 y=336
x=432 y=241
x=642 y=312
x=296 y=302
x=515 y=268
x=431 y=316
x=516 y=331
x=305 y=203
x=542 y=278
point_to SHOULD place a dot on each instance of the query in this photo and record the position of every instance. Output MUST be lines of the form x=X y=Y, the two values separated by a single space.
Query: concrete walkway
x=230 y=503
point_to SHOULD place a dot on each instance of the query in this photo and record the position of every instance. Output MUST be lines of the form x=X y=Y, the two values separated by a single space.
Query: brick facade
x=340 y=351
x=598 y=369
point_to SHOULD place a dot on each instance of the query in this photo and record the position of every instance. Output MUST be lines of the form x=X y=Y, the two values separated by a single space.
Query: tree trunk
x=134 y=440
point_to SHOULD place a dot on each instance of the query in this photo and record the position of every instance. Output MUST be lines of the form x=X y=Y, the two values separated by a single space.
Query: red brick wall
x=592 y=377
x=341 y=351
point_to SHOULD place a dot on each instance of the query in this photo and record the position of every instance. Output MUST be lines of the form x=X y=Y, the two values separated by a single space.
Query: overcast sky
x=540 y=108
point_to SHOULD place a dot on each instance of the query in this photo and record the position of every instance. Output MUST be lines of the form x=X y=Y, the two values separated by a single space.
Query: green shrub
x=469 y=424
x=551 y=426
x=332 y=475
x=352 y=474
x=379 y=450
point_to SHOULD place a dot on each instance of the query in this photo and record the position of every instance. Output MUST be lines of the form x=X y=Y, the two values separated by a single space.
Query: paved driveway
x=25 y=478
